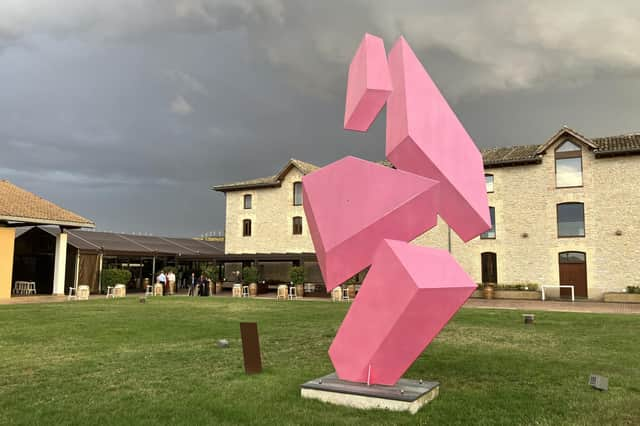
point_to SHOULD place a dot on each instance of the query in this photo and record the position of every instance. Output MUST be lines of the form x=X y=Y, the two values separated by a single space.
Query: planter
x=299 y=290
x=218 y=288
x=487 y=292
x=253 y=289
x=517 y=294
x=351 y=291
x=212 y=289
x=158 y=289
x=622 y=297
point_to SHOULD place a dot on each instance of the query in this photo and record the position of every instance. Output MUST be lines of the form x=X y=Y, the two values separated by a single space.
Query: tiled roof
x=268 y=181
x=19 y=205
x=621 y=143
x=510 y=155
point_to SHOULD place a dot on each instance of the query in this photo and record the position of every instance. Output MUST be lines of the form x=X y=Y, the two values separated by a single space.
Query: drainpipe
x=449 y=237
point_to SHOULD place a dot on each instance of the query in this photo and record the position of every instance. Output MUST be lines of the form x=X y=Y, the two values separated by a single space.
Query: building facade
x=563 y=212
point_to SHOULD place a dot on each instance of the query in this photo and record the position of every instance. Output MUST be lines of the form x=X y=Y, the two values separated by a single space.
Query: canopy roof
x=110 y=243
x=19 y=206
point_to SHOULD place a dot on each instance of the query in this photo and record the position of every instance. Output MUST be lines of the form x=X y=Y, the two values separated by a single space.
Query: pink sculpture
x=358 y=210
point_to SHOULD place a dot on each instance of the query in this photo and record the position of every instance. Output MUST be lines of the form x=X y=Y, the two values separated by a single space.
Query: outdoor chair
x=245 y=291
x=72 y=293
x=148 y=291
x=110 y=292
x=345 y=294
x=292 y=293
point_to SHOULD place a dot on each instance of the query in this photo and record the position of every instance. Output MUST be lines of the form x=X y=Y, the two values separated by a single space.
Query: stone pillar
x=7 y=240
x=60 y=264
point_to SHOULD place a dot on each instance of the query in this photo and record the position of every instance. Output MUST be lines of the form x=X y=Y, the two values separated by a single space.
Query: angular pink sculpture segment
x=408 y=296
x=368 y=85
x=352 y=204
x=425 y=137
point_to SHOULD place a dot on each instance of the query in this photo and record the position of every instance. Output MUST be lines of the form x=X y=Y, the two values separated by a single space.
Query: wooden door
x=489 y=268
x=573 y=271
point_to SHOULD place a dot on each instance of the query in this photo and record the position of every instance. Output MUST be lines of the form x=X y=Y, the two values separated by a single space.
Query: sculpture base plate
x=406 y=395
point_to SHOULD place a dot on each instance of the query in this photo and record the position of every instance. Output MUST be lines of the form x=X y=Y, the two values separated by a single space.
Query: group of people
x=197 y=286
x=168 y=281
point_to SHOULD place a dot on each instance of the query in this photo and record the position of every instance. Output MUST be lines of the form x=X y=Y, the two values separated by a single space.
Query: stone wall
x=271 y=214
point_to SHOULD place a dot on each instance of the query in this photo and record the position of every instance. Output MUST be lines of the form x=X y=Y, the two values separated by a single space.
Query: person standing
x=192 y=284
x=171 y=278
x=162 y=279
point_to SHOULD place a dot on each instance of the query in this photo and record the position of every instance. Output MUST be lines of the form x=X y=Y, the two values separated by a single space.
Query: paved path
x=524 y=305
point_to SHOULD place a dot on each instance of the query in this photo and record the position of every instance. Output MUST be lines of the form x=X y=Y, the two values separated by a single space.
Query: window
x=568 y=165
x=247 y=201
x=488 y=181
x=489 y=267
x=297 y=225
x=571 y=220
x=572 y=257
x=297 y=194
x=491 y=233
x=246 y=228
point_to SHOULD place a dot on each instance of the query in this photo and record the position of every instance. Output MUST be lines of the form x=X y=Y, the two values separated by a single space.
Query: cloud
x=503 y=45
x=187 y=82
x=180 y=106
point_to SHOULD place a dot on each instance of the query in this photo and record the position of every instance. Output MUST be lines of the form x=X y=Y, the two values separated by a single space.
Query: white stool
x=245 y=291
x=110 y=292
x=292 y=293
x=72 y=293
x=32 y=288
x=148 y=291
x=345 y=295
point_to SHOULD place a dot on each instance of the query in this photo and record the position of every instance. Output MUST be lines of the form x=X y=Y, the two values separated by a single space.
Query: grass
x=122 y=362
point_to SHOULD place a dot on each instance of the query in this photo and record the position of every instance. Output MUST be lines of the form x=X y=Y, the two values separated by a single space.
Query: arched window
x=247 y=201
x=568 y=165
x=489 y=267
x=570 y=219
x=488 y=181
x=491 y=233
x=246 y=228
x=297 y=225
x=297 y=193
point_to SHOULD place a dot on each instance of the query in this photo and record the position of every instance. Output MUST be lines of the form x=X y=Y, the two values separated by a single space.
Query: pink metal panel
x=408 y=296
x=425 y=137
x=352 y=204
x=368 y=84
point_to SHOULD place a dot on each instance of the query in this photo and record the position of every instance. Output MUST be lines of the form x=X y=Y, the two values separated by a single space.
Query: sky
x=128 y=111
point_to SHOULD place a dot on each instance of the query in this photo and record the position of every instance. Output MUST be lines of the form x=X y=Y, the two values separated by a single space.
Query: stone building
x=564 y=212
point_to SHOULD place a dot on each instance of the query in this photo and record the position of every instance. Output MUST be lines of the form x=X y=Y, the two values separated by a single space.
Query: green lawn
x=123 y=362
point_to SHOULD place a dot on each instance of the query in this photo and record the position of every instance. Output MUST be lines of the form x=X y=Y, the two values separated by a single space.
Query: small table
x=573 y=299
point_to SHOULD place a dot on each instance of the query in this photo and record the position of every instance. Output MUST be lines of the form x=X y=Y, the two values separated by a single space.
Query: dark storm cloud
x=127 y=111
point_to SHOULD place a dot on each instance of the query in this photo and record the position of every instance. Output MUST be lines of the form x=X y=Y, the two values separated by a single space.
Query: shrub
x=296 y=274
x=520 y=287
x=633 y=289
x=111 y=277
x=250 y=274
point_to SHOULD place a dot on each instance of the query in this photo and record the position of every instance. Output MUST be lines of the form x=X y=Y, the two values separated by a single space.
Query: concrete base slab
x=406 y=395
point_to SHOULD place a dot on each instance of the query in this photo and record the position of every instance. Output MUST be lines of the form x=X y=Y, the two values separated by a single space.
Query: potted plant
x=210 y=274
x=296 y=274
x=487 y=290
x=351 y=286
x=250 y=278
